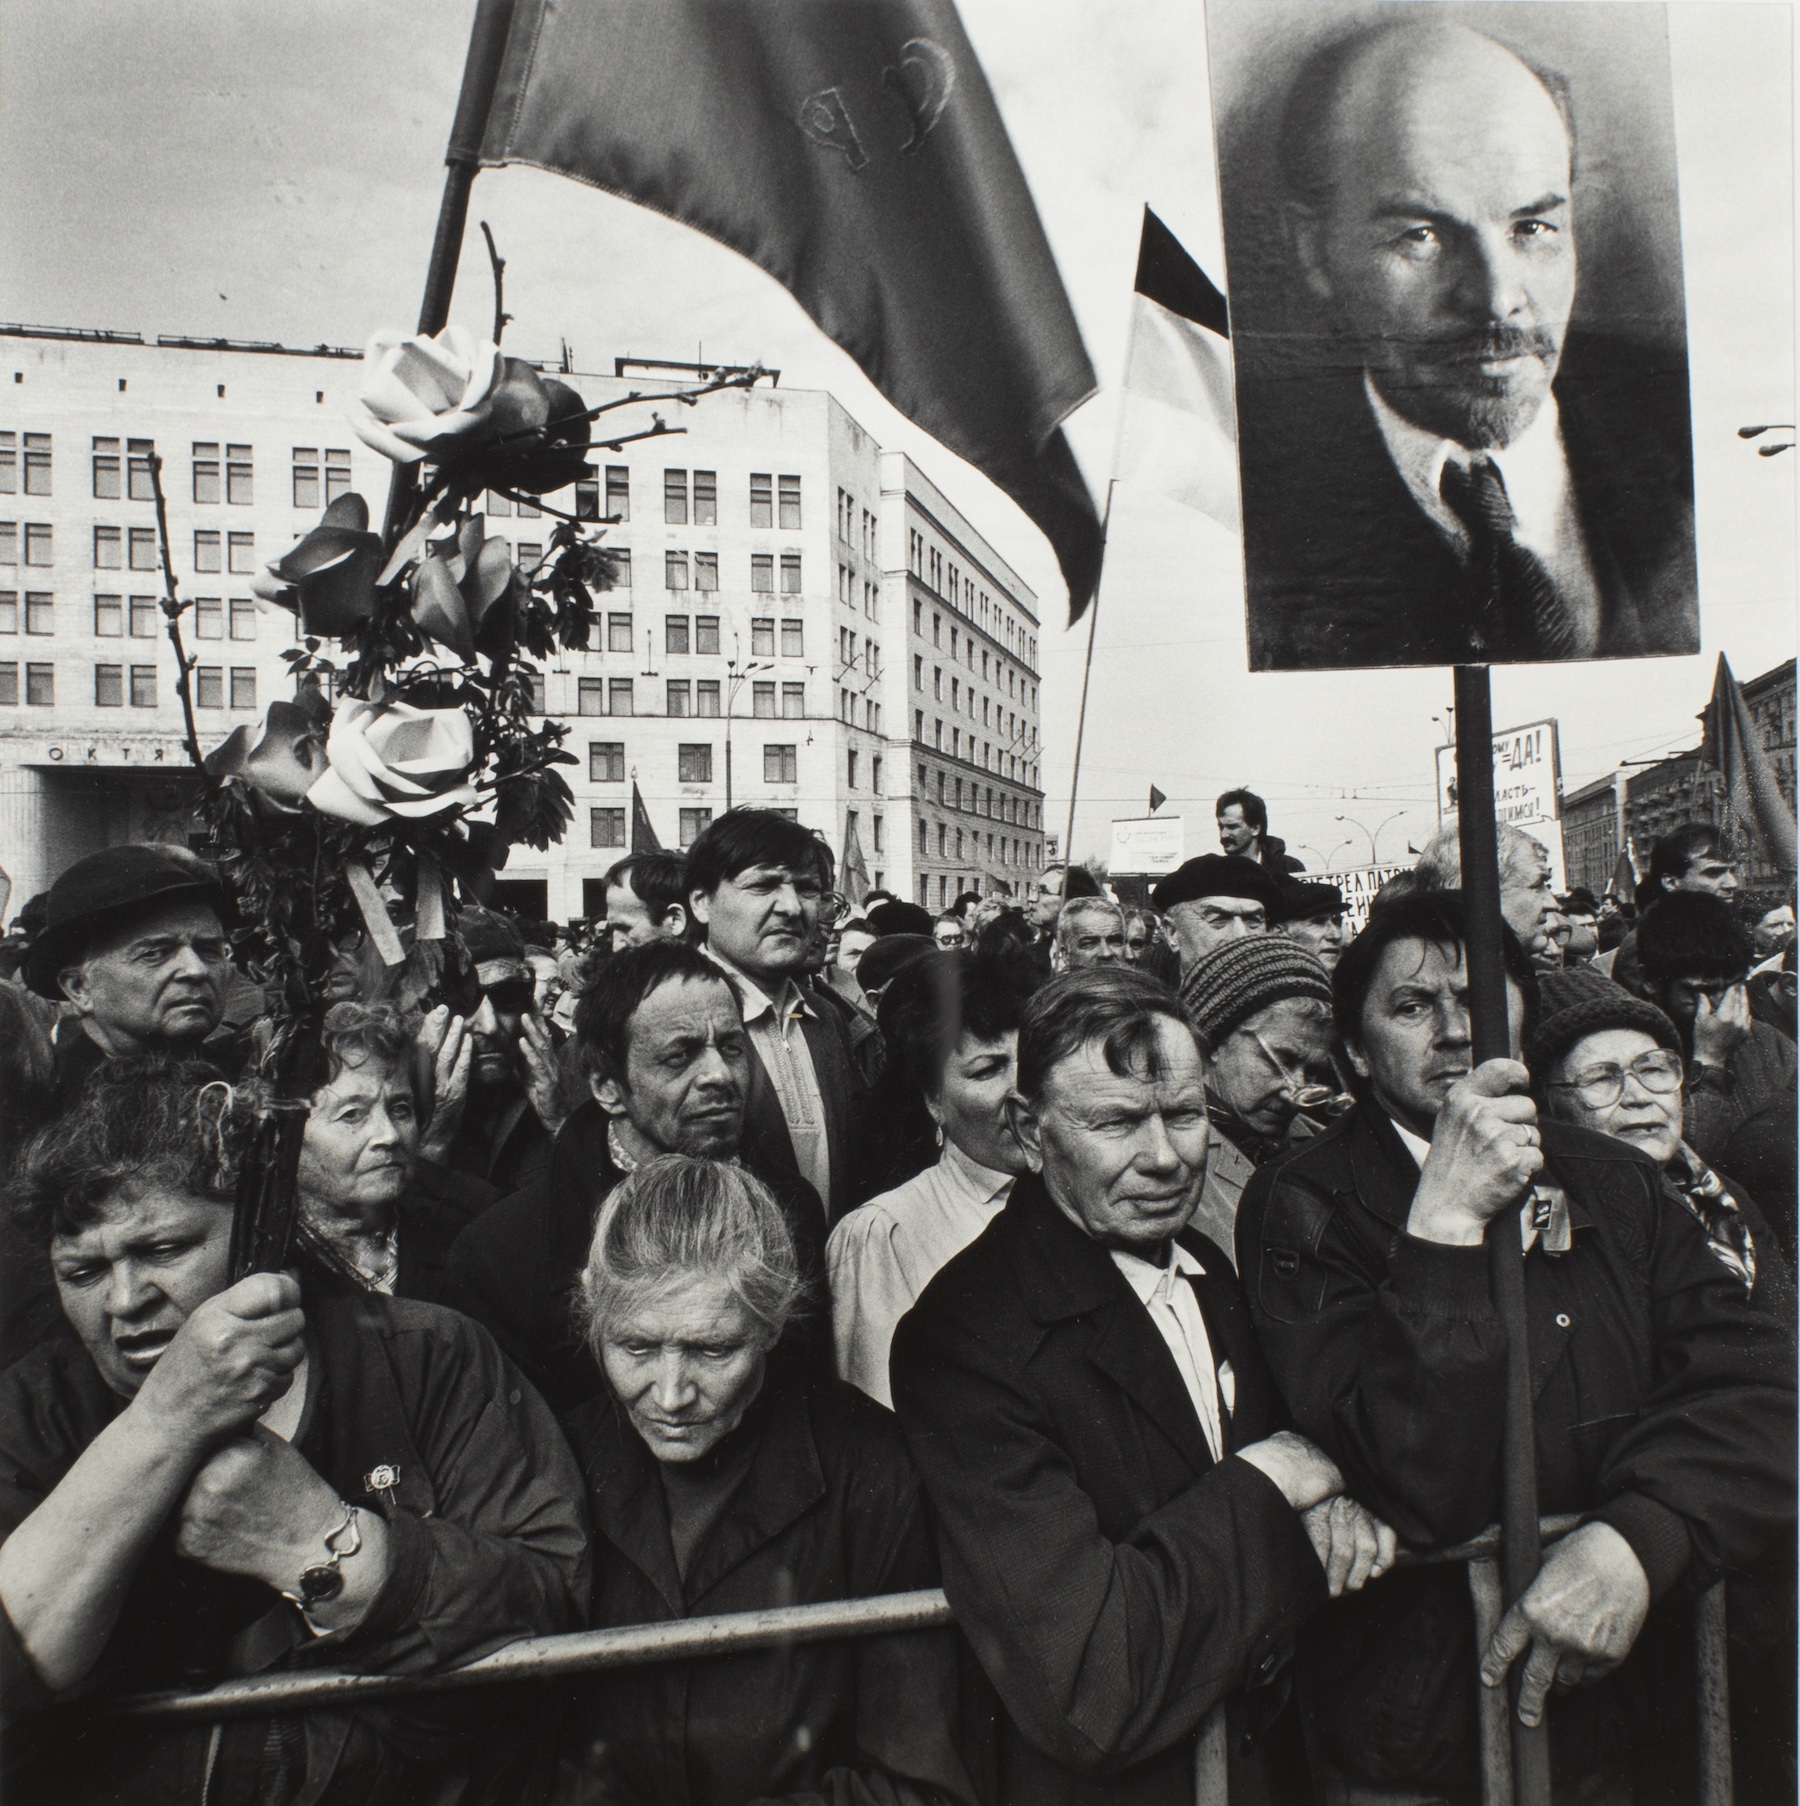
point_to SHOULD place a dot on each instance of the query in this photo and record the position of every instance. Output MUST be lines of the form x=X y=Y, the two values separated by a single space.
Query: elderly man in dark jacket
x=1664 y=1403
x=1129 y=1541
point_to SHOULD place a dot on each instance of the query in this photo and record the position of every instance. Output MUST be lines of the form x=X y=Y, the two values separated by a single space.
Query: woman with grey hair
x=725 y=1476
x=361 y=1210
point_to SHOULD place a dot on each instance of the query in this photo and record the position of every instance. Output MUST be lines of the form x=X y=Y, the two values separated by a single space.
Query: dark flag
x=1734 y=748
x=854 y=872
x=1178 y=433
x=855 y=152
x=1157 y=799
x=1623 y=883
x=643 y=835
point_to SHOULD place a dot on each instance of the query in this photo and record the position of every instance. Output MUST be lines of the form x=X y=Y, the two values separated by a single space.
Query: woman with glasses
x=1606 y=1060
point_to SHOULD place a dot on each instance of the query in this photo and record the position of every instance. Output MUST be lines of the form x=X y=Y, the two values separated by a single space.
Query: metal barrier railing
x=589 y=1651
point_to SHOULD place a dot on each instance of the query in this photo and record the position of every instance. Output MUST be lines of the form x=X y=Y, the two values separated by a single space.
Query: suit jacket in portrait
x=1115 y=1582
x=1343 y=568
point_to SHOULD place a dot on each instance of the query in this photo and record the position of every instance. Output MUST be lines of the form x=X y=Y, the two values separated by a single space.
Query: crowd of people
x=1118 y=1266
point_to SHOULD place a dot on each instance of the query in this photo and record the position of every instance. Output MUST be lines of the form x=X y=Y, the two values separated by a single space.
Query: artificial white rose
x=421 y=396
x=389 y=759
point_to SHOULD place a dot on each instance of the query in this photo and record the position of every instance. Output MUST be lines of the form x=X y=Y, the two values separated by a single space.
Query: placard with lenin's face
x=1454 y=265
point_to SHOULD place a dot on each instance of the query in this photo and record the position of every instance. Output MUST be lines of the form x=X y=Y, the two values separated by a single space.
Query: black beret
x=1219 y=875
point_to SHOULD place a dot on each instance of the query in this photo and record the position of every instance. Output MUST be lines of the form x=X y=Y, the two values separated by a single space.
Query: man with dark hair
x=1214 y=899
x=1663 y=1407
x=1456 y=474
x=667 y=1062
x=1243 y=822
x=1312 y=914
x=1129 y=1538
x=757 y=884
x=133 y=945
x=646 y=899
x=1690 y=857
x=1695 y=956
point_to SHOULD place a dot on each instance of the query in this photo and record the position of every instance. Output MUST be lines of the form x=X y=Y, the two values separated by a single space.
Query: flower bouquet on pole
x=415 y=750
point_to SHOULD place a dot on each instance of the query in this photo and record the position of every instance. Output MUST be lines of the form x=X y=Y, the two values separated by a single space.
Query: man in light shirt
x=1457 y=473
x=756 y=886
x=1129 y=1538
x=952 y=1026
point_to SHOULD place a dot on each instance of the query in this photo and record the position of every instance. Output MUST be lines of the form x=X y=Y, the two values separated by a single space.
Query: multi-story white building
x=802 y=621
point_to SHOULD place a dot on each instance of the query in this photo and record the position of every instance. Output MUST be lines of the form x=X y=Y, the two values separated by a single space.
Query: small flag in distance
x=1157 y=799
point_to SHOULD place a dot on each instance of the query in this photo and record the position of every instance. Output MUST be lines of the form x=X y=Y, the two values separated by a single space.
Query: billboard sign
x=1527 y=787
x=1147 y=846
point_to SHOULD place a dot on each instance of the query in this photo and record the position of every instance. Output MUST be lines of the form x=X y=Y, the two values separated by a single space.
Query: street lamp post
x=737 y=674
x=1348 y=841
x=1375 y=838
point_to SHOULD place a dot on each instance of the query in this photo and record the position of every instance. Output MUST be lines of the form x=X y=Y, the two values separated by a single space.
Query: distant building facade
x=802 y=621
x=1593 y=825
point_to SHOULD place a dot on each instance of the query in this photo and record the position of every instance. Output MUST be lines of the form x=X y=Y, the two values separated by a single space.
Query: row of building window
x=848 y=522
x=681 y=697
x=1005 y=764
x=121 y=470
x=1021 y=812
x=115 y=685
x=929 y=565
x=1009 y=851
x=139 y=617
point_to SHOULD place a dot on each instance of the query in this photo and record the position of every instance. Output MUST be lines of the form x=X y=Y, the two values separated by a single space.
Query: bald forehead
x=1413 y=97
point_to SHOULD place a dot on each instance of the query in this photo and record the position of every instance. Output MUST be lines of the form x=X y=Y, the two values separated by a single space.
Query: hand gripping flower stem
x=173 y=609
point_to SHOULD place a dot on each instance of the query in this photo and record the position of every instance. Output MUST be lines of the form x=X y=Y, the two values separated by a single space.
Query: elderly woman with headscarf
x=724 y=1477
x=201 y=1479
x=1607 y=1060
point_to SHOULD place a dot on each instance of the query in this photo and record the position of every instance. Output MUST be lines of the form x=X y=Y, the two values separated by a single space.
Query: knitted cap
x=1580 y=1001
x=1243 y=976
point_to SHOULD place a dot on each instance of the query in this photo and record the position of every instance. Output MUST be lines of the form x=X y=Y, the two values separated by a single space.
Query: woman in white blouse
x=951 y=1024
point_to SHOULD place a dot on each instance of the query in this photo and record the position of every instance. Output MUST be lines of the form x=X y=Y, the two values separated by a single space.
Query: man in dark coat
x=756 y=886
x=668 y=1065
x=1453 y=474
x=1663 y=1402
x=1129 y=1540
x=133 y=942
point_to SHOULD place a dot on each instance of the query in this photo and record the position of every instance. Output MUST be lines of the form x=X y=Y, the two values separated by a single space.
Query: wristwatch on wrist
x=324 y=1580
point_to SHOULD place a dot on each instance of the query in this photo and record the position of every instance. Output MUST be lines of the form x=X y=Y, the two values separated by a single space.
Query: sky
x=260 y=172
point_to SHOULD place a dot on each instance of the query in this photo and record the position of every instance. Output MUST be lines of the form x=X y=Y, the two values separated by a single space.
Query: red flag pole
x=481 y=75
x=1506 y=1255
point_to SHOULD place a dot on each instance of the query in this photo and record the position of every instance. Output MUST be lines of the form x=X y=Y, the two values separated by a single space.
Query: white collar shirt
x=881 y=1257
x=1535 y=471
x=774 y=1027
x=1168 y=1295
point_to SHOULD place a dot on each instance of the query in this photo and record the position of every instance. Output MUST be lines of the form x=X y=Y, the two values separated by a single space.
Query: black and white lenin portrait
x=1453 y=257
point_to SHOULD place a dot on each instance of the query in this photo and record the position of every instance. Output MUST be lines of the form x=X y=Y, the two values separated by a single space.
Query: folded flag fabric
x=1734 y=748
x=1178 y=435
x=855 y=152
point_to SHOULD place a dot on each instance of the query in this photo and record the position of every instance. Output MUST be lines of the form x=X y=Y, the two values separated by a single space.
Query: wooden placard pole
x=1506 y=1256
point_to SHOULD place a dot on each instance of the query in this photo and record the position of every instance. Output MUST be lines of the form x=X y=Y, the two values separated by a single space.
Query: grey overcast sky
x=272 y=172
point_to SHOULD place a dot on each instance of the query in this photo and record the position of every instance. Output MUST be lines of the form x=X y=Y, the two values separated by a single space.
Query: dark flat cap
x=890 y=956
x=1309 y=897
x=895 y=917
x=1219 y=875
x=103 y=891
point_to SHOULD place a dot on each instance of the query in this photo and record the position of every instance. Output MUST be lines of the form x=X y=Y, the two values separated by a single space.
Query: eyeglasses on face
x=1600 y=1087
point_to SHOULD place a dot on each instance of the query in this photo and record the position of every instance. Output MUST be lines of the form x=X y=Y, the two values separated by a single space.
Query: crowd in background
x=1118 y=1266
